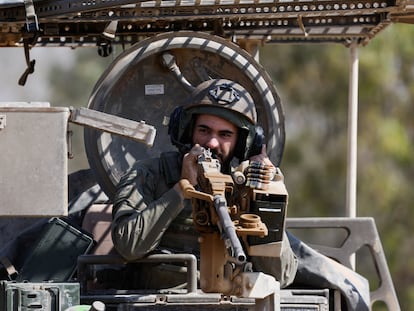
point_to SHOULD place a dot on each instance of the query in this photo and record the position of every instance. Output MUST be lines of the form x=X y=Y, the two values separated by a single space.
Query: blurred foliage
x=313 y=85
x=312 y=81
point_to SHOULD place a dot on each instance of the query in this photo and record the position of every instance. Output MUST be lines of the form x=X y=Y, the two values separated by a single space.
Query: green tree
x=313 y=84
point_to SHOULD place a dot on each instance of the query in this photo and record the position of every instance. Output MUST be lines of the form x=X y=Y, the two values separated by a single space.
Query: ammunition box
x=272 y=210
x=38 y=296
x=34 y=156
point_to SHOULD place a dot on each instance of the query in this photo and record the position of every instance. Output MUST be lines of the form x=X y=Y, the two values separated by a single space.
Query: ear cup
x=174 y=126
x=179 y=128
x=254 y=146
x=249 y=143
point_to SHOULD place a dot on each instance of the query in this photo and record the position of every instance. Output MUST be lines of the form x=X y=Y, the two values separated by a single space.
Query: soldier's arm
x=139 y=217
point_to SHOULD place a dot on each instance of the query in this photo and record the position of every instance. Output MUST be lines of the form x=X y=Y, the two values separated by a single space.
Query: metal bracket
x=2 y=121
x=139 y=131
x=32 y=23
x=362 y=231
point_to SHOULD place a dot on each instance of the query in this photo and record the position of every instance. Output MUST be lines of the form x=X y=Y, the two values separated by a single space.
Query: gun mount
x=223 y=264
x=80 y=23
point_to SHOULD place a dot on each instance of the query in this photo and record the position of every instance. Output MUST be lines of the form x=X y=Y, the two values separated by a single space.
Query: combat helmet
x=225 y=99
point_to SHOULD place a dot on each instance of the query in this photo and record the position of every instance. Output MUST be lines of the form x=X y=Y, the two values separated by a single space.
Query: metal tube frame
x=189 y=259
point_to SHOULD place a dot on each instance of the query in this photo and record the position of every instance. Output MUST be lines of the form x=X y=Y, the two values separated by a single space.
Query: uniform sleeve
x=143 y=209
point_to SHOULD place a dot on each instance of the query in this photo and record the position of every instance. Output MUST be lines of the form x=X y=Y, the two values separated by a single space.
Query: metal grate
x=80 y=23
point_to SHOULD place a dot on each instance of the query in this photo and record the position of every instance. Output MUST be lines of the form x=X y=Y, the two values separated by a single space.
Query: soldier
x=150 y=213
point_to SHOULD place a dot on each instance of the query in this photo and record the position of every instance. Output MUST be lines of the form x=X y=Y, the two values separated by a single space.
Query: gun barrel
x=228 y=229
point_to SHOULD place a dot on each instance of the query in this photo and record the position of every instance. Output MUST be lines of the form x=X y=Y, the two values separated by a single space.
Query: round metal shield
x=150 y=79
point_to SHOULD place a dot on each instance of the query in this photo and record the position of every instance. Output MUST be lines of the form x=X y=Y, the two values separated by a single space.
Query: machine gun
x=223 y=215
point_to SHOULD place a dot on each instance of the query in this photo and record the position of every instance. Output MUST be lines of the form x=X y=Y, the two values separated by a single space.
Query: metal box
x=38 y=296
x=33 y=159
x=55 y=254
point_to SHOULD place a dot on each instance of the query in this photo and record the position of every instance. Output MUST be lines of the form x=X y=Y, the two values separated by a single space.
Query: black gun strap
x=10 y=269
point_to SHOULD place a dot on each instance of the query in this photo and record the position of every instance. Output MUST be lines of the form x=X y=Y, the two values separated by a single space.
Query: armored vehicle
x=170 y=46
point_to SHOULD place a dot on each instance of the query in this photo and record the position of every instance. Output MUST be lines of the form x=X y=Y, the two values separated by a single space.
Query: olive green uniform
x=149 y=214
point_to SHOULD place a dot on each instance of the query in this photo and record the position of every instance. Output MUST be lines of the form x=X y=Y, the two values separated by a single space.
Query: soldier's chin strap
x=30 y=63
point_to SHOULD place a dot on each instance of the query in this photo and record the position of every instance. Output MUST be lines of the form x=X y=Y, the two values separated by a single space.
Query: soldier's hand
x=260 y=171
x=189 y=168
x=262 y=158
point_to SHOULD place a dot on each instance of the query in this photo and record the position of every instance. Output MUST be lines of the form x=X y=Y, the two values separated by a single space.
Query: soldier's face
x=217 y=134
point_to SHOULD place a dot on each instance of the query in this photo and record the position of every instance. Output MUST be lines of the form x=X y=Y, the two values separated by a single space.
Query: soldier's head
x=220 y=115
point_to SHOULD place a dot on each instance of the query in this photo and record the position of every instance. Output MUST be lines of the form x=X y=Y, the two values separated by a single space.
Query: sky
x=13 y=65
